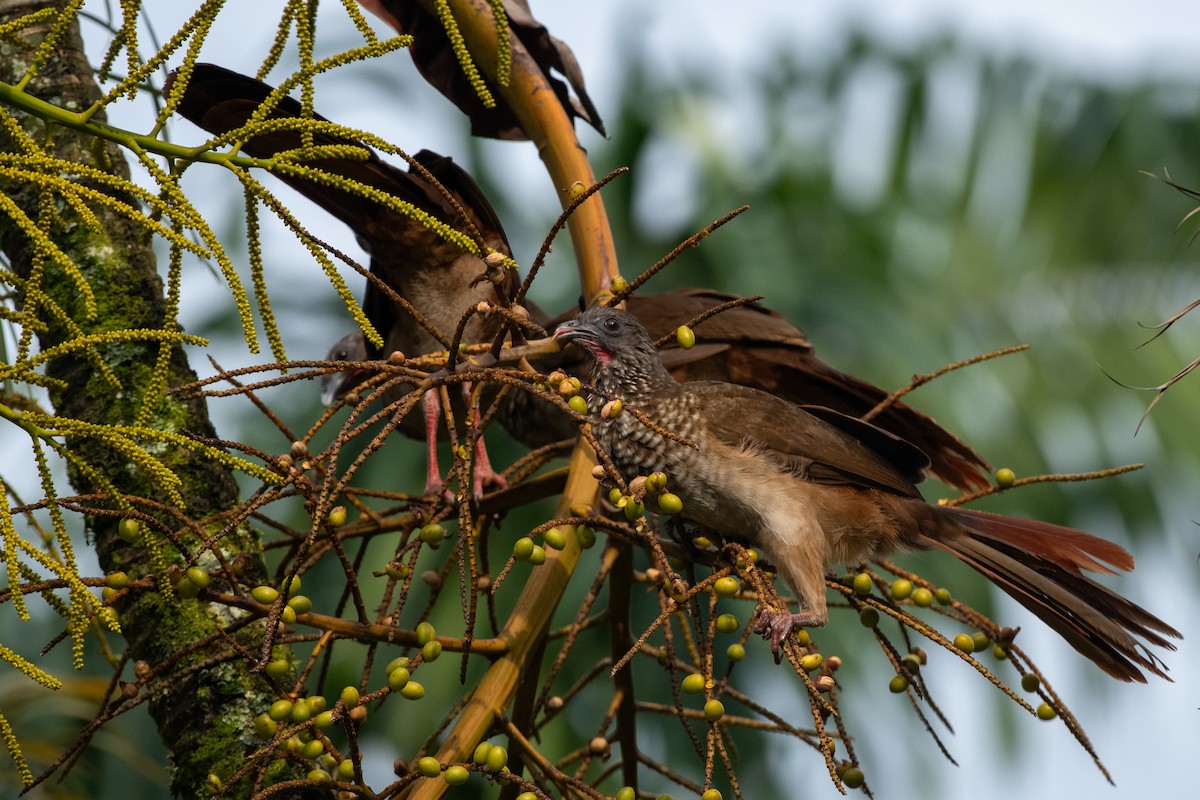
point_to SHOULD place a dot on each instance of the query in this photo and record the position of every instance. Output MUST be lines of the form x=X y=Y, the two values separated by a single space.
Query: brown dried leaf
x=435 y=60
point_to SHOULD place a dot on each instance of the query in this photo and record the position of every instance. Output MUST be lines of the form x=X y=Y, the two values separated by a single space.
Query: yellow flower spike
x=22 y=665
x=459 y=46
x=14 y=752
x=503 y=43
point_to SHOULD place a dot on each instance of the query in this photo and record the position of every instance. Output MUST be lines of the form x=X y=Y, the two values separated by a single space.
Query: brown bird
x=749 y=344
x=438 y=278
x=816 y=488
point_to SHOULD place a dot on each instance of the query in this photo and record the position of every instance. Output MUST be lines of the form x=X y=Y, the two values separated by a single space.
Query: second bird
x=816 y=488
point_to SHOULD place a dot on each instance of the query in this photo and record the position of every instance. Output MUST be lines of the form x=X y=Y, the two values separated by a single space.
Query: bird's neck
x=634 y=379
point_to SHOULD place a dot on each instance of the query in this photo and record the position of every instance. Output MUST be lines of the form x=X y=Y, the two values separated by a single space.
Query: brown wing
x=221 y=101
x=404 y=251
x=754 y=346
x=751 y=323
x=849 y=452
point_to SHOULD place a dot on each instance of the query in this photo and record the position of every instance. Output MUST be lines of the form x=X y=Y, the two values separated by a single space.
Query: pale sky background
x=1147 y=735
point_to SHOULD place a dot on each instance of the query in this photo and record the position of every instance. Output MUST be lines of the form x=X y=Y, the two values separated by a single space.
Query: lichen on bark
x=203 y=716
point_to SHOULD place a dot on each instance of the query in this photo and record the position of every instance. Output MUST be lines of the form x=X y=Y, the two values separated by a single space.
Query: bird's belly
x=744 y=493
x=698 y=481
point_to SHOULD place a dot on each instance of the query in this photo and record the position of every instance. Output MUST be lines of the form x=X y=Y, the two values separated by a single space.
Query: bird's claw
x=482 y=481
x=487 y=479
x=436 y=491
x=776 y=626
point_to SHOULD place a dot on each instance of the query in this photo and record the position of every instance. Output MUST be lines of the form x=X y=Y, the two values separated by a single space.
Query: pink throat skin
x=603 y=356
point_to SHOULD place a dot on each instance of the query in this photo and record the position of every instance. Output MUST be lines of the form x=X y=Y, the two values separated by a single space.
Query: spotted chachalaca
x=816 y=488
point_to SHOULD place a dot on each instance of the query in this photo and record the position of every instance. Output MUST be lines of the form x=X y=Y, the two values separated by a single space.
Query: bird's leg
x=484 y=474
x=686 y=533
x=776 y=626
x=434 y=486
x=798 y=552
x=679 y=530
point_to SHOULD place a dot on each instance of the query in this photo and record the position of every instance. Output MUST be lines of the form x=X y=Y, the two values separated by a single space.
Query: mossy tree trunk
x=204 y=705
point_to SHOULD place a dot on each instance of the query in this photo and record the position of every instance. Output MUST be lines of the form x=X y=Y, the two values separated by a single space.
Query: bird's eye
x=612 y=324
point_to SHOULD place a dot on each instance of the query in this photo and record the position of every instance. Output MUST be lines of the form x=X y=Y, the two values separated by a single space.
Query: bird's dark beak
x=575 y=331
x=585 y=336
x=331 y=389
x=351 y=347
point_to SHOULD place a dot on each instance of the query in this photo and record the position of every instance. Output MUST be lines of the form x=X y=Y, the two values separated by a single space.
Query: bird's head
x=351 y=347
x=619 y=346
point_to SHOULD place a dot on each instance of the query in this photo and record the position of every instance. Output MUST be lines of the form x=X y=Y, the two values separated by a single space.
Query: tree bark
x=203 y=712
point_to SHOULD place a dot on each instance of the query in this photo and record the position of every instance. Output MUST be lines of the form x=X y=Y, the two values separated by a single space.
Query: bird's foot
x=776 y=626
x=482 y=481
x=487 y=479
x=483 y=475
x=683 y=531
x=436 y=490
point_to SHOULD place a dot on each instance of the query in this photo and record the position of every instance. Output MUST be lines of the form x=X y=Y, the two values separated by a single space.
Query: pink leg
x=484 y=475
x=433 y=475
